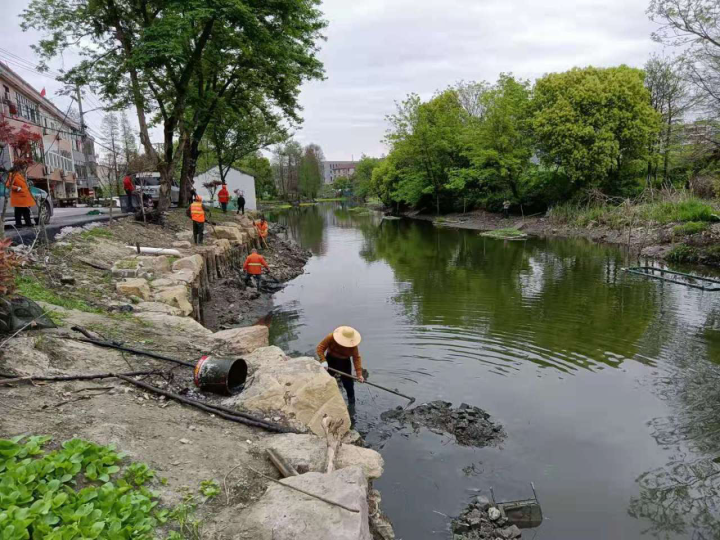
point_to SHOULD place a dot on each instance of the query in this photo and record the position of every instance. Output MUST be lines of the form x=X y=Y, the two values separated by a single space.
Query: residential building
x=235 y=179
x=61 y=151
x=332 y=170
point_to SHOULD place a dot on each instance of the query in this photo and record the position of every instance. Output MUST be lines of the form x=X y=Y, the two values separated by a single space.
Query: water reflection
x=449 y=314
x=550 y=302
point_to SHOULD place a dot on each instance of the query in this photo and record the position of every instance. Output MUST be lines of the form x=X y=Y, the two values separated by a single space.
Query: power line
x=28 y=63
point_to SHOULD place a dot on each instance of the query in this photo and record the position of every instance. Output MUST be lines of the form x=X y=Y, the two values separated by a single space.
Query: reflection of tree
x=306 y=226
x=284 y=327
x=562 y=298
x=685 y=493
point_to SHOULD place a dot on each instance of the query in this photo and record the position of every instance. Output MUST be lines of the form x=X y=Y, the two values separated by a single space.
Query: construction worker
x=240 y=201
x=20 y=198
x=196 y=212
x=262 y=228
x=253 y=267
x=224 y=198
x=129 y=188
x=337 y=349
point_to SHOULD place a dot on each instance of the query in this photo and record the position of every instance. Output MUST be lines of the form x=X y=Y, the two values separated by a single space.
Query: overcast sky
x=378 y=51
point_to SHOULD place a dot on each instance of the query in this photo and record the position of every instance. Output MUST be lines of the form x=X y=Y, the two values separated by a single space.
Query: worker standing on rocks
x=338 y=349
x=253 y=267
x=196 y=212
x=224 y=198
x=20 y=198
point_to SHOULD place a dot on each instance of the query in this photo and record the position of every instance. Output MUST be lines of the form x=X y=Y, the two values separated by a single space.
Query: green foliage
x=259 y=166
x=38 y=499
x=593 y=122
x=310 y=173
x=683 y=253
x=362 y=179
x=31 y=288
x=505 y=234
x=96 y=232
x=209 y=489
x=686 y=210
x=690 y=228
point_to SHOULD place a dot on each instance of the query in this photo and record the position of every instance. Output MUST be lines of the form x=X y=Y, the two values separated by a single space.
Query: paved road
x=62 y=217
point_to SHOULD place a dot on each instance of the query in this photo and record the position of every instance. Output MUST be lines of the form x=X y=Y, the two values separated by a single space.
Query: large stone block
x=243 y=340
x=134 y=287
x=170 y=323
x=229 y=233
x=307 y=453
x=194 y=263
x=176 y=296
x=158 y=307
x=298 y=387
x=157 y=264
x=285 y=514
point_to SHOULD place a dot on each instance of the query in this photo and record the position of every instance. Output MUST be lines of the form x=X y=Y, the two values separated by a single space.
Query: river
x=606 y=383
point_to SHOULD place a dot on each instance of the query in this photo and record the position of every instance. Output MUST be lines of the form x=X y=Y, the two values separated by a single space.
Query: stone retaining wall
x=180 y=285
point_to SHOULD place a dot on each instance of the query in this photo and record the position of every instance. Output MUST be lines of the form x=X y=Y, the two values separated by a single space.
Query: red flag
x=43 y=92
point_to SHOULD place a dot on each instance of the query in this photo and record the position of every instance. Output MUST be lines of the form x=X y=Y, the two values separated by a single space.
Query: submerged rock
x=480 y=520
x=470 y=425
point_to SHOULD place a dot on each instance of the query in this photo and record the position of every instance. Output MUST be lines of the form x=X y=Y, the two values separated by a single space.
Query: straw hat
x=347 y=336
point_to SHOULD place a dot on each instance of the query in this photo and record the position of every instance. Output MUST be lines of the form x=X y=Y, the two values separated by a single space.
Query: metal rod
x=640 y=272
x=412 y=399
x=81 y=377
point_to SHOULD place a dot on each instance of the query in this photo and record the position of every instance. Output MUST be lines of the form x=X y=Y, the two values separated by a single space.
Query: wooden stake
x=286 y=470
x=331 y=428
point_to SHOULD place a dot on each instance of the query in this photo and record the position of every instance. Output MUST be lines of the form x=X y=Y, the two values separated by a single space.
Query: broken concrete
x=176 y=296
x=481 y=520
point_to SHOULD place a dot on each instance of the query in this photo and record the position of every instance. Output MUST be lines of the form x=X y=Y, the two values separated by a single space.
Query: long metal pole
x=412 y=399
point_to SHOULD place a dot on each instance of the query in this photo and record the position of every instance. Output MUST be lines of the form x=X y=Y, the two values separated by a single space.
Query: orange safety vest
x=197 y=212
x=254 y=263
x=262 y=228
x=22 y=198
x=223 y=195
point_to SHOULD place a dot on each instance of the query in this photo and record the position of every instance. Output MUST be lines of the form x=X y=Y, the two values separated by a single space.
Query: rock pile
x=481 y=520
x=470 y=425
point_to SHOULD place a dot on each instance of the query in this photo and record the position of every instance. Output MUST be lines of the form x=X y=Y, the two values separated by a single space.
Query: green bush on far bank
x=690 y=228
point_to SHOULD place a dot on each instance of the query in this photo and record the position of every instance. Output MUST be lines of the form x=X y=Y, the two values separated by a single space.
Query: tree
x=151 y=53
x=592 y=122
x=670 y=97
x=285 y=164
x=259 y=166
x=499 y=145
x=111 y=137
x=425 y=141
x=128 y=144
x=310 y=174
x=694 y=25
x=362 y=179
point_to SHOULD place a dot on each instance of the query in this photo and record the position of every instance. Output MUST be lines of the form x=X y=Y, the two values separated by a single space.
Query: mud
x=233 y=303
x=471 y=426
x=481 y=520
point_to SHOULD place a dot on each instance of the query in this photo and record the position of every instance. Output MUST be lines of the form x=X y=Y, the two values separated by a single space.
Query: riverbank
x=690 y=239
x=204 y=465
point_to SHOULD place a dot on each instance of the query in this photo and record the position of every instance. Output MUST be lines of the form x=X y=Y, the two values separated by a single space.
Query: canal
x=606 y=383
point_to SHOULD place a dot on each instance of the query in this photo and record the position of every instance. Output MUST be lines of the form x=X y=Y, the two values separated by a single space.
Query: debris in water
x=470 y=425
x=481 y=520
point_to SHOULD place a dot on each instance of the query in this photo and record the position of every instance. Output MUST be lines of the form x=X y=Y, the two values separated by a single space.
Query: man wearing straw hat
x=338 y=349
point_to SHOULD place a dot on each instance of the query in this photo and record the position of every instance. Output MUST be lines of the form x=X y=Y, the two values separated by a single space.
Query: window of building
x=27 y=109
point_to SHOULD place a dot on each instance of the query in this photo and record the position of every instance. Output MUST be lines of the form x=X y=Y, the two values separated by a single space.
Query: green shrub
x=689 y=228
x=31 y=288
x=683 y=254
x=682 y=211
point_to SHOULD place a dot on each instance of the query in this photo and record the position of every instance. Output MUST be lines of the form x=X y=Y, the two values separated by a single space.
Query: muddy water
x=607 y=384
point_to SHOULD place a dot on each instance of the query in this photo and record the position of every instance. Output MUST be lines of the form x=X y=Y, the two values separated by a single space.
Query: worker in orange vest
x=253 y=267
x=196 y=212
x=20 y=198
x=224 y=198
x=262 y=227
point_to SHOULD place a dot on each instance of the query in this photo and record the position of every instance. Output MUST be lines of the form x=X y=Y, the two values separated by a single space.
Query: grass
x=331 y=199
x=307 y=204
x=126 y=264
x=96 y=232
x=690 y=228
x=33 y=289
x=505 y=234
x=682 y=253
x=688 y=210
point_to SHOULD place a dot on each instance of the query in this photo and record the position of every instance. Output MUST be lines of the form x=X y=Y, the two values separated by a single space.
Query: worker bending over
x=262 y=228
x=20 y=199
x=224 y=198
x=196 y=212
x=253 y=267
x=337 y=349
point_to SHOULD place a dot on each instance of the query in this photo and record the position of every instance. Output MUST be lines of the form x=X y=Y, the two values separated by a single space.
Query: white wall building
x=235 y=179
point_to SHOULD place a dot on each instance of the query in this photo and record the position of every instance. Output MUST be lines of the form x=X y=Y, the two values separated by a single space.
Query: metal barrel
x=220 y=375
